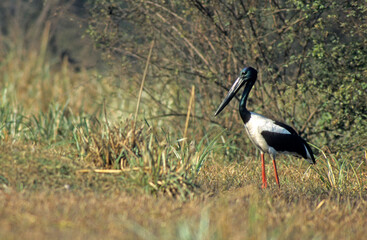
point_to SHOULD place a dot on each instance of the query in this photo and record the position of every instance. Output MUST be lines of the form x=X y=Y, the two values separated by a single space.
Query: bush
x=311 y=60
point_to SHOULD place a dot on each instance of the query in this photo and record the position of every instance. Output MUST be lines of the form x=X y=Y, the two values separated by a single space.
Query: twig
x=110 y=170
x=308 y=119
x=188 y=114
x=190 y=44
x=99 y=171
x=141 y=89
x=142 y=82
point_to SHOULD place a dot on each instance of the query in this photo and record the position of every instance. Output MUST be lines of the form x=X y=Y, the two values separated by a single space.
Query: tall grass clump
x=56 y=126
x=145 y=155
x=340 y=172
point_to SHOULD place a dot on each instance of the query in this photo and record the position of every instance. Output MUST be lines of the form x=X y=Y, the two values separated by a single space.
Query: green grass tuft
x=148 y=158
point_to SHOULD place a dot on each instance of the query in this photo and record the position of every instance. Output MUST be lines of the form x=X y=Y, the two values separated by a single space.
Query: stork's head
x=248 y=74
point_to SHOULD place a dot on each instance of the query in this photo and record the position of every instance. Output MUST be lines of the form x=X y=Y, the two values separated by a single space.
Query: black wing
x=291 y=143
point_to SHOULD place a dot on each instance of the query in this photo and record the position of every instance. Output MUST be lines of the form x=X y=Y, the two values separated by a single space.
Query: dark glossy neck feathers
x=245 y=114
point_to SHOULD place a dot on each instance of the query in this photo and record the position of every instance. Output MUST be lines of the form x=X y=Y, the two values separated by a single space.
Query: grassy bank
x=44 y=195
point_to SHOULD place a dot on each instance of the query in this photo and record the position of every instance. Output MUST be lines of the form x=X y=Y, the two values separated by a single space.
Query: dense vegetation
x=107 y=127
x=311 y=57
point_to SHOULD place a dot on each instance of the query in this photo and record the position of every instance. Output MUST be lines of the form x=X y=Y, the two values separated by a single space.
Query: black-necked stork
x=269 y=136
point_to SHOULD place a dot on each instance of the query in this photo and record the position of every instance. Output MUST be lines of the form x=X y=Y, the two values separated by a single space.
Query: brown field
x=45 y=197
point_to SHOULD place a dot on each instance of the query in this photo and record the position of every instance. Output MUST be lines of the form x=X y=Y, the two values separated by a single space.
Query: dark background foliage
x=311 y=57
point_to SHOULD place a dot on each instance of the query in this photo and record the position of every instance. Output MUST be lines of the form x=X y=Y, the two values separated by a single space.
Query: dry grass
x=43 y=196
x=244 y=213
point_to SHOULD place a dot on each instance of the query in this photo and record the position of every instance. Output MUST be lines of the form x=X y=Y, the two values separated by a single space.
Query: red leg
x=264 y=185
x=276 y=172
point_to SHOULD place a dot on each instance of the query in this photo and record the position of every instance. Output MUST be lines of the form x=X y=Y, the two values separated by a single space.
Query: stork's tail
x=310 y=158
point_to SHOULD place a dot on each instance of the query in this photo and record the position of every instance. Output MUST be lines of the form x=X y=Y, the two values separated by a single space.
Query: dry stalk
x=109 y=170
x=192 y=99
x=143 y=80
x=141 y=88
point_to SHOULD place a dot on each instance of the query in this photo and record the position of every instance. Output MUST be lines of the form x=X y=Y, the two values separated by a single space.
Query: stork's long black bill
x=232 y=92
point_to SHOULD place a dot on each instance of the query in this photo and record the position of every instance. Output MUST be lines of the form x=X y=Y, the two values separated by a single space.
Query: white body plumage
x=257 y=124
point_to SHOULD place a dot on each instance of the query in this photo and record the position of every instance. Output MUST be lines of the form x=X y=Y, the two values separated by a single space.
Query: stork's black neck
x=245 y=114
